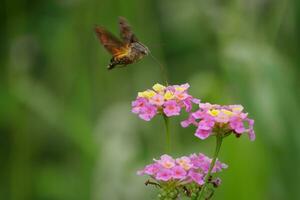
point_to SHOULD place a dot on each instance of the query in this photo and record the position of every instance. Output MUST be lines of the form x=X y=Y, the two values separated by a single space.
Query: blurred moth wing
x=125 y=31
x=111 y=43
x=128 y=37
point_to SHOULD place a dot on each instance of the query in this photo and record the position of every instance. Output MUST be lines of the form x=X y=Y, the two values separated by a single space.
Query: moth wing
x=125 y=31
x=111 y=43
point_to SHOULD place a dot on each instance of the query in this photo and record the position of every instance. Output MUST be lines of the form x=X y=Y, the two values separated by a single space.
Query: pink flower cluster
x=185 y=170
x=165 y=100
x=213 y=118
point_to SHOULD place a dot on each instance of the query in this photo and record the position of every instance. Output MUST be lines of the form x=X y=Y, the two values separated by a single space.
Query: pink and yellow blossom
x=166 y=100
x=185 y=169
x=213 y=119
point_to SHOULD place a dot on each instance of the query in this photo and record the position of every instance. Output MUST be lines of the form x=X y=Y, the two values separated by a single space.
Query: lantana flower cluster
x=213 y=119
x=181 y=171
x=167 y=100
x=184 y=169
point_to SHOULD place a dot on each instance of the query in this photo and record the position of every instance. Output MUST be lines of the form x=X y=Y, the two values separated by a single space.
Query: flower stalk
x=219 y=139
x=168 y=134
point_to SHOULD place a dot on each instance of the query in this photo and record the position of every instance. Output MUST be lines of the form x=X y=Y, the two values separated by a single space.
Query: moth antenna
x=162 y=69
x=156 y=45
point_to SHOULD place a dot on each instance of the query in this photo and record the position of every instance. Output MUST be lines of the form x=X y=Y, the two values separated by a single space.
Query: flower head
x=182 y=170
x=213 y=119
x=160 y=99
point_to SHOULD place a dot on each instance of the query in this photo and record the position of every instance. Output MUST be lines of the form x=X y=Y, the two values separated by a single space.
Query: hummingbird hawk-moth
x=125 y=51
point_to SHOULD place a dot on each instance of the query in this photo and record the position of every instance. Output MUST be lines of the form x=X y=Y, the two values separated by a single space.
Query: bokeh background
x=67 y=132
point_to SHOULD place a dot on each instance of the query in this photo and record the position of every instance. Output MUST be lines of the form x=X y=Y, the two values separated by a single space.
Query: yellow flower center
x=158 y=87
x=227 y=112
x=213 y=112
x=168 y=95
x=237 y=108
x=168 y=165
x=179 y=89
x=147 y=94
x=184 y=164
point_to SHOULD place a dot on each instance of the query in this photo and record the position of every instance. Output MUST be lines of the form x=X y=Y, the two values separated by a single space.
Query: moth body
x=135 y=52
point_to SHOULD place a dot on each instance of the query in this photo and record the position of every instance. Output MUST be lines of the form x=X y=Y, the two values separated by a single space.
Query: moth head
x=141 y=48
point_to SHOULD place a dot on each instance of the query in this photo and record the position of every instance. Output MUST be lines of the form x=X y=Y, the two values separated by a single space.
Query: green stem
x=212 y=164
x=168 y=134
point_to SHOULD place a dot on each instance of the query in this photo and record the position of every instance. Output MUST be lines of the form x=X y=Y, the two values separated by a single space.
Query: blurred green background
x=67 y=132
